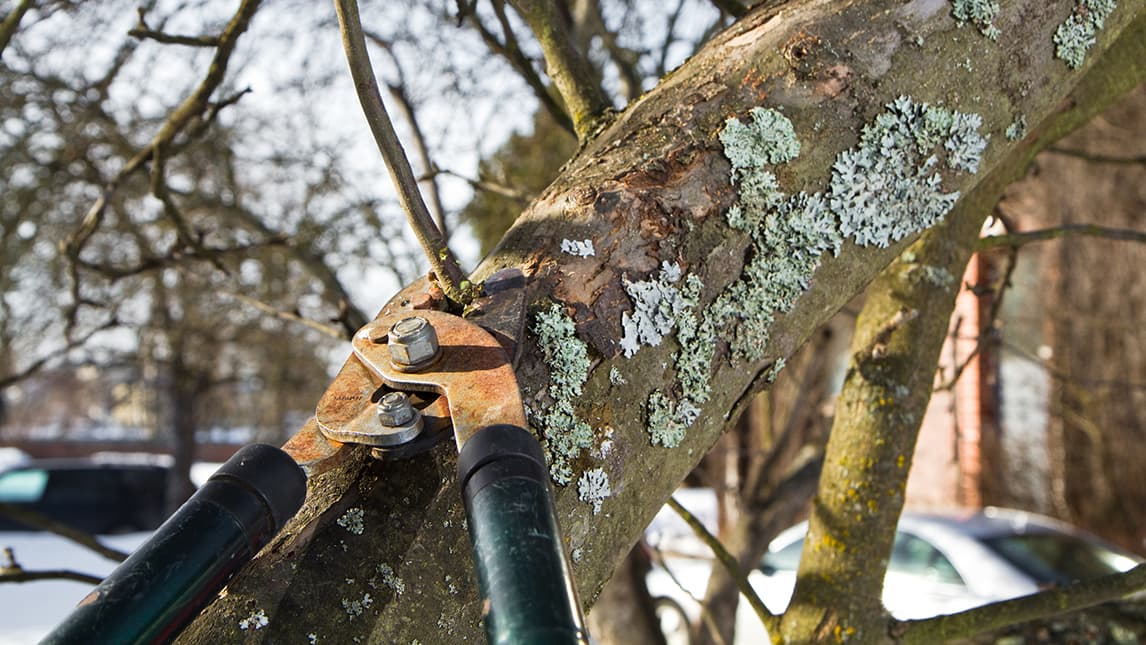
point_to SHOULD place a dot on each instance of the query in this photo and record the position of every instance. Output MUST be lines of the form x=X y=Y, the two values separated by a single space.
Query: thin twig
x=1028 y=237
x=11 y=22
x=433 y=244
x=406 y=107
x=658 y=557
x=63 y=530
x=23 y=575
x=1079 y=595
x=266 y=308
x=191 y=107
x=39 y=363
x=770 y=621
x=571 y=71
x=511 y=51
x=992 y=316
x=1097 y=158
x=144 y=33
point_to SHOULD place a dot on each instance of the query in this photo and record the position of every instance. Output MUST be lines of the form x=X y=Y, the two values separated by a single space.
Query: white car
x=940 y=564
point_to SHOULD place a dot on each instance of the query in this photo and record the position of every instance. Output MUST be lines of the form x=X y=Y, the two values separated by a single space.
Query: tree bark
x=652 y=187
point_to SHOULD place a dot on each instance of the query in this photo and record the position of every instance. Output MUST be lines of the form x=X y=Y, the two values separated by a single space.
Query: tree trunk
x=650 y=188
x=624 y=613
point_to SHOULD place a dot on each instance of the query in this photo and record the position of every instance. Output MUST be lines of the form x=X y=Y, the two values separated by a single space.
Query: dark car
x=97 y=498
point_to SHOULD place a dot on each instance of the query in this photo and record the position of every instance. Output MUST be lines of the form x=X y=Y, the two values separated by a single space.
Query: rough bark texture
x=652 y=186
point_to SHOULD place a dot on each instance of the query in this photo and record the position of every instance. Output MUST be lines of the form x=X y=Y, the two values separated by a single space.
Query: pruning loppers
x=419 y=376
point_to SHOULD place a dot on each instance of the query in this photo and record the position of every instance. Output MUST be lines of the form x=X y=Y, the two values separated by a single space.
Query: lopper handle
x=183 y=565
x=522 y=568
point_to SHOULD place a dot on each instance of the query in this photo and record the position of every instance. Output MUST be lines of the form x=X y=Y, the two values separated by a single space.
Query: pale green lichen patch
x=890 y=185
x=1018 y=128
x=882 y=190
x=668 y=419
x=657 y=304
x=593 y=488
x=769 y=138
x=981 y=13
x=567 y=357
x=352 y=520
x=1079 y=33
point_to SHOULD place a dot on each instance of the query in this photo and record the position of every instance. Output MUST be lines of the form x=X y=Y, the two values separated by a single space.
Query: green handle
x=521 y=564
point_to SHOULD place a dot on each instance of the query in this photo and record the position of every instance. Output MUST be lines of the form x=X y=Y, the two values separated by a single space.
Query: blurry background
x=189 y=304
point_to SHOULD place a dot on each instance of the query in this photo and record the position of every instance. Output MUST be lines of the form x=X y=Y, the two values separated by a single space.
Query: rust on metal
x=473 y=373
x=470 y=386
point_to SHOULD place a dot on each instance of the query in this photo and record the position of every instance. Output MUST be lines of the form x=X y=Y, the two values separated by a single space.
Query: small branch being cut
x=1052 y=602
x=441 y=258
x=569 y=69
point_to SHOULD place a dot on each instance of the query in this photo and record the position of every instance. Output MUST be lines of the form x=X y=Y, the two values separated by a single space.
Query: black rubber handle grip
x=522 y=568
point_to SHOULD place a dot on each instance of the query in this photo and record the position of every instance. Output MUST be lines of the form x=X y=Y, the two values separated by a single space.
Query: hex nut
x=413 y=343
x=401 y=422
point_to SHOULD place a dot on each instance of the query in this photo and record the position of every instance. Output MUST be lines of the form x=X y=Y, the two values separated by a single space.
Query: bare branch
x=176 y=256
x=569 y=69
x=1079 y=595
x=433 y=244
x=770 y=621
x=510 y=50
x=1097 y=158
x=996 y=306
x=406 y=107
x=37 y=365
x=143 y=32
x=486 y=185
x=63 y=530
x=1058 y=232
x=11 y=22
x=192 y=106
x=23 y=575
x=266 y=308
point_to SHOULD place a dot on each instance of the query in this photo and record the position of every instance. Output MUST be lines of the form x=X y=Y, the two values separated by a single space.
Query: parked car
x=940 y=564
x=93 y=497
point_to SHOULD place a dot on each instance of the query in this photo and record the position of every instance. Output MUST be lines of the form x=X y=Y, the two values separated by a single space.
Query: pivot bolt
x=400 y=421
x=413 y=343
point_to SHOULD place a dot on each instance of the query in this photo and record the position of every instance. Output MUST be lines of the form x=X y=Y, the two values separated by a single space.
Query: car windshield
x=1056 y=558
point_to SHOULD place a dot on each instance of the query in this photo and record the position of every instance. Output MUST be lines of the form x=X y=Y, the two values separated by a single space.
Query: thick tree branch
x=570 y=70
x=434 y=245
x=1061 y=600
